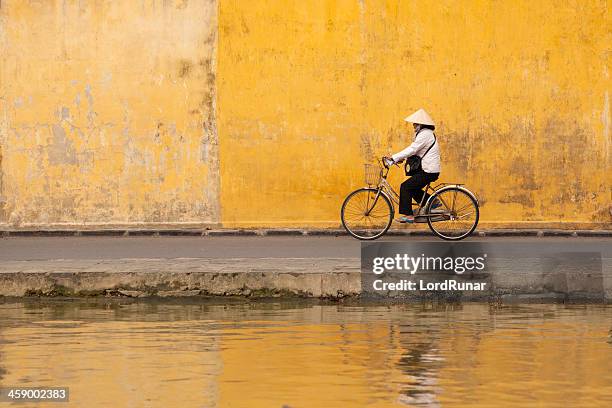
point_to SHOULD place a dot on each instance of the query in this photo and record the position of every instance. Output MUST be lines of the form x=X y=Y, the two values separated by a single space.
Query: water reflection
x=307 y=355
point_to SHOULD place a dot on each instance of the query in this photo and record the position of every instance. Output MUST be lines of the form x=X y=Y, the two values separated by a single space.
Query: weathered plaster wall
x=310 y=90
x=107 y=112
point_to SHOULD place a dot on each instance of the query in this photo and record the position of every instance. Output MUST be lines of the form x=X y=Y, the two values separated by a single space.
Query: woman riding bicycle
x=426 y=147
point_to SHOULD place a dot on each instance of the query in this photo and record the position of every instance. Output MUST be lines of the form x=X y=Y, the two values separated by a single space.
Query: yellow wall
x=107 y=112
x=261 y=113
x=309 y=90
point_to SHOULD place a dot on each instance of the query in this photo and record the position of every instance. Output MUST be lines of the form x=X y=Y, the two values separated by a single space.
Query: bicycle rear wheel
x=366 y=214
x=457 y=216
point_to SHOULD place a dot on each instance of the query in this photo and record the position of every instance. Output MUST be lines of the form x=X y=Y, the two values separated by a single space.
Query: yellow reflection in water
x=115 y=364
x=315 y=356
x=351 y=365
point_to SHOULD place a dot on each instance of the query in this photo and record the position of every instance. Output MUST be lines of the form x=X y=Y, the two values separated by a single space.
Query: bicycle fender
x=453 y=187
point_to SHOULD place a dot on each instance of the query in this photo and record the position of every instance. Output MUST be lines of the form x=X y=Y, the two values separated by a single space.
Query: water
x=305 y=355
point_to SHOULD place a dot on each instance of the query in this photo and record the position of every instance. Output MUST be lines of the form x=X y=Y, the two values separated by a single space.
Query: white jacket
x=431 y=162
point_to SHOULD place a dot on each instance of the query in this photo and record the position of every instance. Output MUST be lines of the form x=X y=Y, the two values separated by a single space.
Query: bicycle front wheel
x=366 y=214
x=457 y=214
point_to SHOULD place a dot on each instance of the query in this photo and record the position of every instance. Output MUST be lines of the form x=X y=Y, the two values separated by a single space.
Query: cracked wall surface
x=520 y=90
x=107 y=112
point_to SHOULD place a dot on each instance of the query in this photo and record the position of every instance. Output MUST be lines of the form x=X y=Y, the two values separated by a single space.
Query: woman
x=430 y=163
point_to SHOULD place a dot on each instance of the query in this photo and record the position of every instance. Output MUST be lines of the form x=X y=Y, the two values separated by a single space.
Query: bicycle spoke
x=470 y=204
x=465 y=215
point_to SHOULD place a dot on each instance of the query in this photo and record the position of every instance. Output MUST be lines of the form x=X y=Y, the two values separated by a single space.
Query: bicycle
x=368 y=212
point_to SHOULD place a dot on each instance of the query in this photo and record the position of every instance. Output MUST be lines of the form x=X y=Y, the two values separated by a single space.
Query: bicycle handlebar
x=384 y=163
x=386 y=167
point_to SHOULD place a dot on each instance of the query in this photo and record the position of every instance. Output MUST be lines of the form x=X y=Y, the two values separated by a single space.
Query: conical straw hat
x=420 y=117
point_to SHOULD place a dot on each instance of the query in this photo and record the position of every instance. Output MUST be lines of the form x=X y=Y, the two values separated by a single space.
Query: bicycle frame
x=385 y=188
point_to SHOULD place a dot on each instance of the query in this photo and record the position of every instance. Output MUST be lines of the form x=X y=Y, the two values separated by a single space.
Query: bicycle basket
x=373 y=173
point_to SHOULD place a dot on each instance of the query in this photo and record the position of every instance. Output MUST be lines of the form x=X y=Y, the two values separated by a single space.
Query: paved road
x=42 y=248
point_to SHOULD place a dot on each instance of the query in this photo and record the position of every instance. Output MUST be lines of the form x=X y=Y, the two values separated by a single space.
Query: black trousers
x=412 y=188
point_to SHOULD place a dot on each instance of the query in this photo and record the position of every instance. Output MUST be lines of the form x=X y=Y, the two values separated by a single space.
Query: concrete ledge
x=292 y=232
x=230 y=232
x=257 y=277
x=323 y=278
